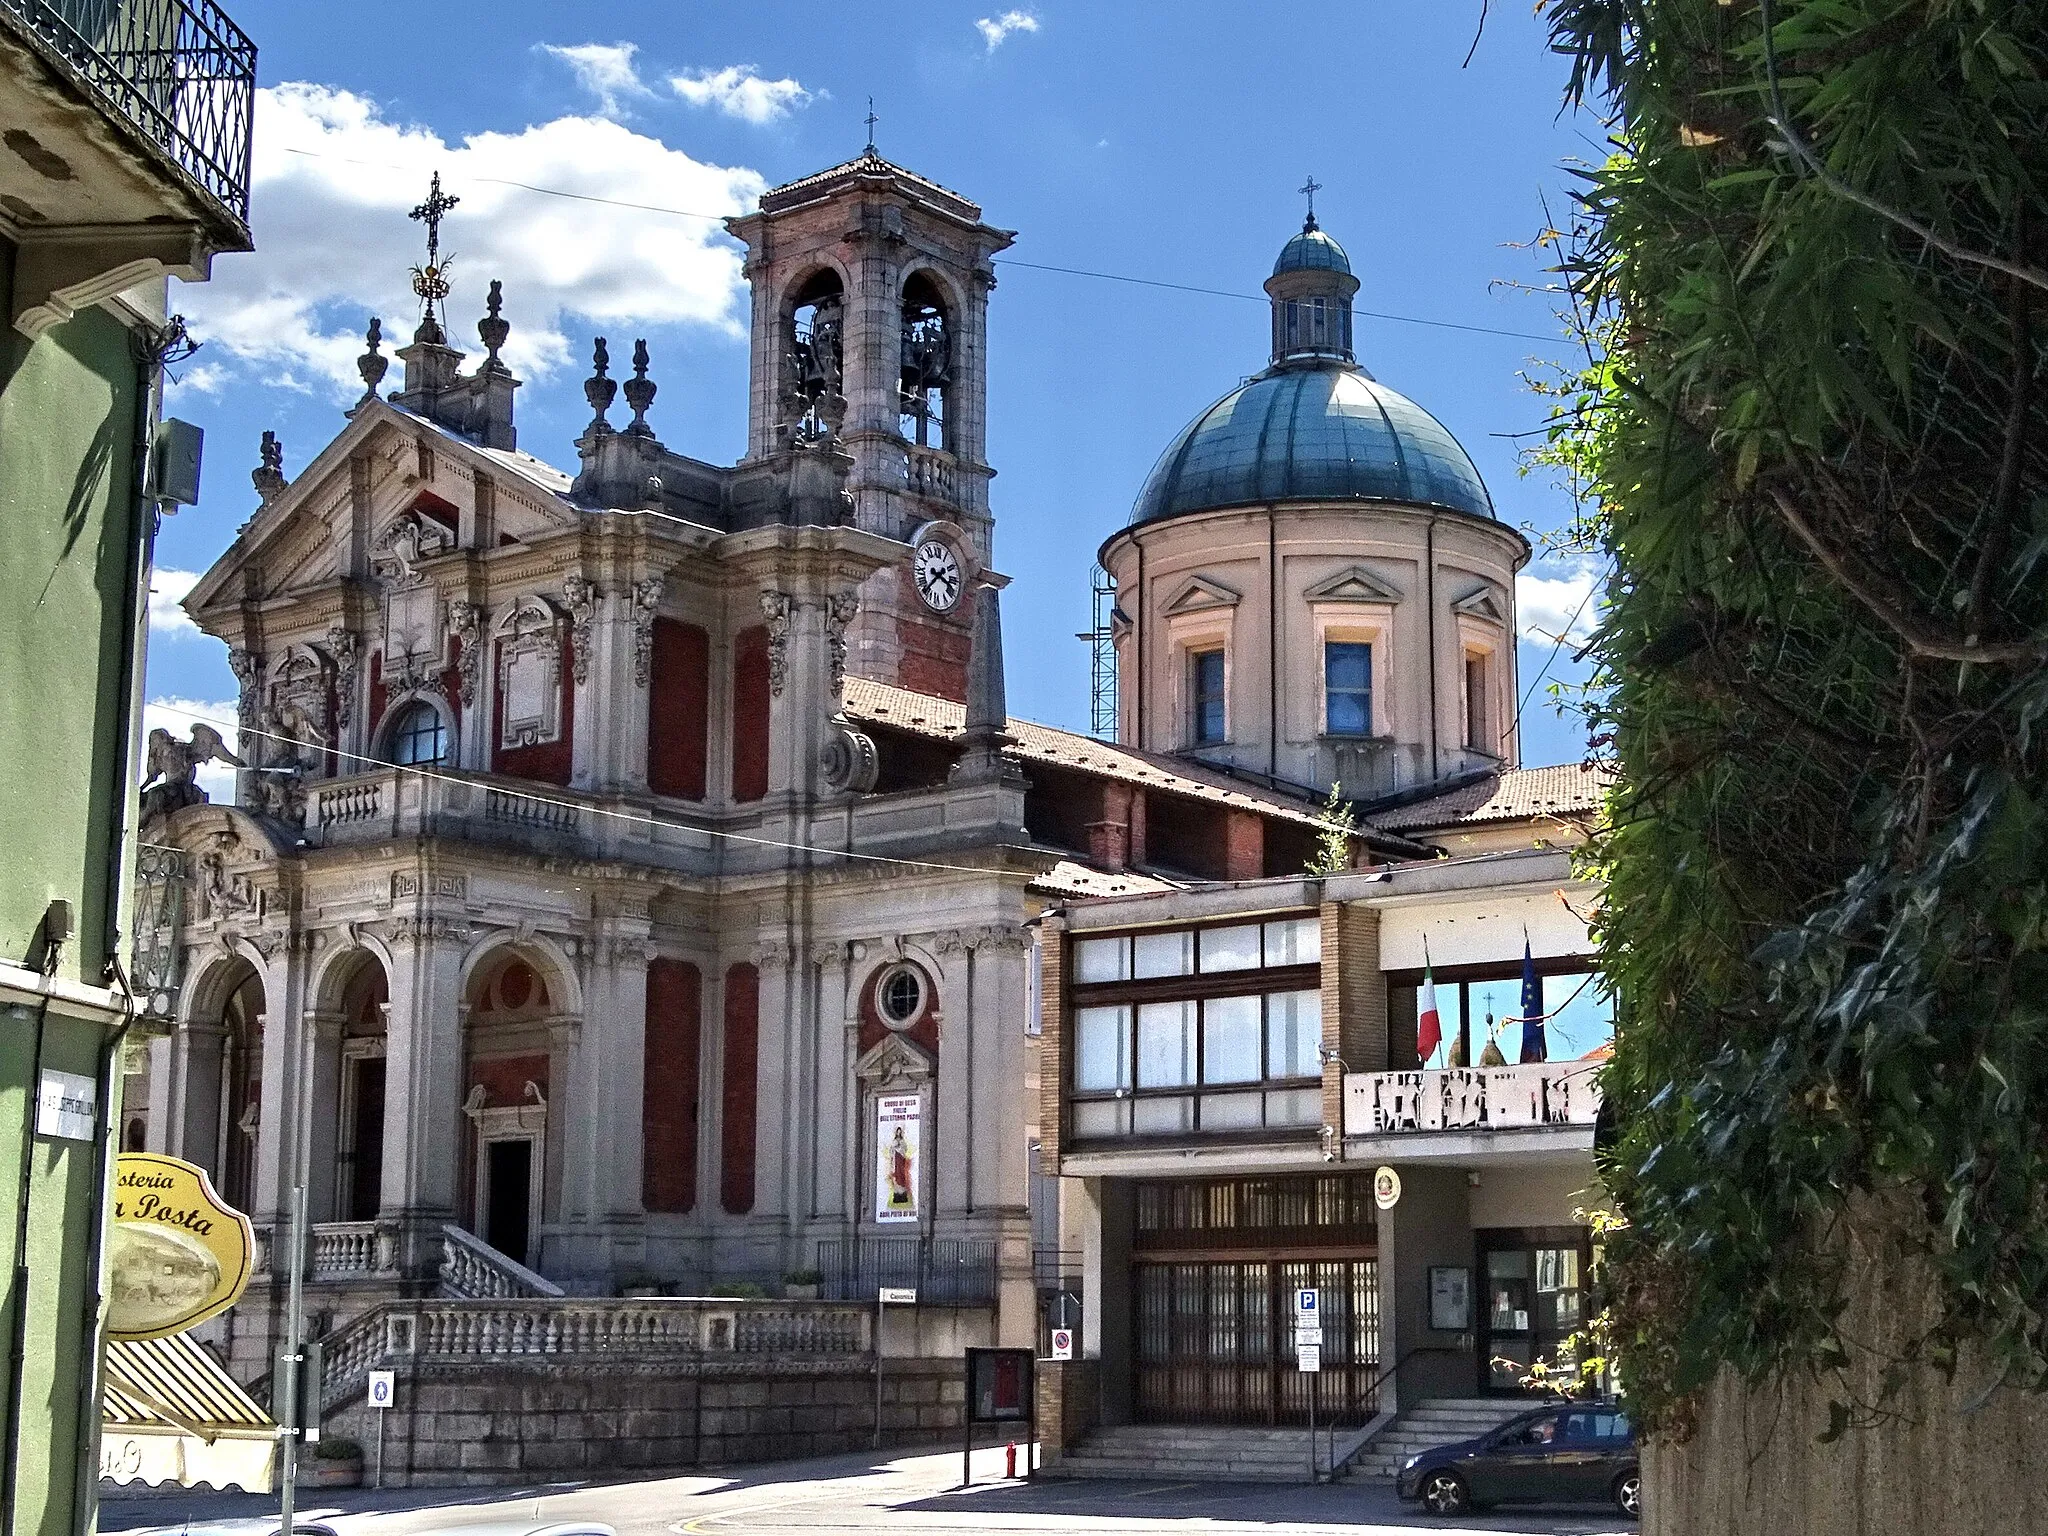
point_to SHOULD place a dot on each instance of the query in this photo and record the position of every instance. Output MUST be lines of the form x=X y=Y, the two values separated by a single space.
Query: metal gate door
x=1215 y=1340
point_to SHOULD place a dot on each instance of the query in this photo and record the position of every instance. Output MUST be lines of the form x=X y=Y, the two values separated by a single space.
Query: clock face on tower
x=936 y=571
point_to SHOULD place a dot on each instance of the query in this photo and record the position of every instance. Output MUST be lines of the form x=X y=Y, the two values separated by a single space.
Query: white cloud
x=167 y=589
x=995 y=30
x=606 y=70
x=176 y=716
x=1549 y=606
x=200 y=378
x=334 y=180
x=738 y=91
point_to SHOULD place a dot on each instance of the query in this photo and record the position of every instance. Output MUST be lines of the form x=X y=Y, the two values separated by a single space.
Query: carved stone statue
x=168 y=777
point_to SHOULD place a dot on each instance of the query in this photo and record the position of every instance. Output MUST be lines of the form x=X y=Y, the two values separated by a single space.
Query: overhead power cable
x=1002 y=261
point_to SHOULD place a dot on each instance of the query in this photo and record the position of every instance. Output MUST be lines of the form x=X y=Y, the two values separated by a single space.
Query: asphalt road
x=915 y=1495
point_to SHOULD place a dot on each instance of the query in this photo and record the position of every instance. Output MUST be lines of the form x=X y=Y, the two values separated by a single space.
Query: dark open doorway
x=507 y=1215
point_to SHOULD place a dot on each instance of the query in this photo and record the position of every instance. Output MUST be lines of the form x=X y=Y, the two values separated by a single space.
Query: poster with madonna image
x=899 y=1156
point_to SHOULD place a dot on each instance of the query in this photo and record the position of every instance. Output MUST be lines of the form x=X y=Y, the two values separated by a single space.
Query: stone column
x=423 y=1118
x=594 y=1116
x=835 y=1036
x=275 y=1164
x=185 y=1096
x=322 y=1031
x=953 y=1094
x=776 y=1135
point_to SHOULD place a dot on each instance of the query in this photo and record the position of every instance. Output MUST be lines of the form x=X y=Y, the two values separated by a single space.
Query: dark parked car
x=1578 y=1454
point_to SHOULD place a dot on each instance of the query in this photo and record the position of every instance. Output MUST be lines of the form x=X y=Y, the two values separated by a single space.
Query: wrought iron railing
x=179 y=70
x=156 y=958
x=939 y=1269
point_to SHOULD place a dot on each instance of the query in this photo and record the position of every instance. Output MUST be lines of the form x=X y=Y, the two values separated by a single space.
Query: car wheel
x=1628 y=1494
x=1443 y=1493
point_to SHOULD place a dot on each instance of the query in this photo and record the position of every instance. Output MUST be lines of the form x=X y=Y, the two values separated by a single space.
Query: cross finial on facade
x=1309 y=189
x=430 y=282
x=871 y=121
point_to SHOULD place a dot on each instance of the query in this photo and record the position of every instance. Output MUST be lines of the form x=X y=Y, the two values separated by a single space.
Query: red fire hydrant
x=1010 y=1459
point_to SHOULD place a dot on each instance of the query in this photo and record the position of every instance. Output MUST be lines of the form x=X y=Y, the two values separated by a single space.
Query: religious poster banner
x=899 y=1158
x=177 y=1253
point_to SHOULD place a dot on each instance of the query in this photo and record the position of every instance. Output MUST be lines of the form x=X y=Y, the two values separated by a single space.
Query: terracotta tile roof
x=791 y=193
x=1071 y=878
x=1518 y=794
x=925 y=714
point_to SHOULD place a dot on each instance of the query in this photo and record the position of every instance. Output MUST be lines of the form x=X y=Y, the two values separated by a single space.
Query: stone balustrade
x=473 y=1270
x=529 y=810
x=932 y=473
x=337 y=1250
x=347 y=804
x=1472 y=1099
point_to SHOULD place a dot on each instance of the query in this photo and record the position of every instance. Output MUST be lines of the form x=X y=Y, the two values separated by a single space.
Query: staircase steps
x=1190 y=1453
x=1430 y=1423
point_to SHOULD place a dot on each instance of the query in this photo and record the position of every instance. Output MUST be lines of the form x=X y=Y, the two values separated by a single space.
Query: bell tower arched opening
x=927 y=364
x=816 y=346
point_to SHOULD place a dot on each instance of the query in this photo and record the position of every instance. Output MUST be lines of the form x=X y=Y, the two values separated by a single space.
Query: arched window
x=927 y=363
x=418 y=737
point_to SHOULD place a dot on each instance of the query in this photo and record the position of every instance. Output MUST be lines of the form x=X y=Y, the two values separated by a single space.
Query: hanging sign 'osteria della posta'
x=177 y=1253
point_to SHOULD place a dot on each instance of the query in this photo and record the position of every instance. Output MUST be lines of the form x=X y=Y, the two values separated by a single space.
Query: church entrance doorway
x=506 y=1198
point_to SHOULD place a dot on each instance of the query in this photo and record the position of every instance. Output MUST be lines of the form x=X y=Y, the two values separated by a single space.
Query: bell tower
x=870 y=308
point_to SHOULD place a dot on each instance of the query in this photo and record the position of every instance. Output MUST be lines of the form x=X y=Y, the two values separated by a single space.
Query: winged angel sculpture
x=168 y=780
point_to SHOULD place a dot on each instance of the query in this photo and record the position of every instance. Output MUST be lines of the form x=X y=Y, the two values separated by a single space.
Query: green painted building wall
x=72 y=557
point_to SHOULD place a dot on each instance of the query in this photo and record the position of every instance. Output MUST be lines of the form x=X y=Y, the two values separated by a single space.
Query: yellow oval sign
x=177 y=1253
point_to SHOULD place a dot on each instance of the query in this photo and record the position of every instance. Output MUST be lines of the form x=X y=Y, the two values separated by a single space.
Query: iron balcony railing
x=179 y=70
x=939 y=1269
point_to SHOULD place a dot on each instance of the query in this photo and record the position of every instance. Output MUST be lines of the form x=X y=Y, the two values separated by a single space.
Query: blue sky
x=1157 y=141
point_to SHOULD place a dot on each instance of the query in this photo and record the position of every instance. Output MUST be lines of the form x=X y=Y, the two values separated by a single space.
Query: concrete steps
x=1190 y=1453
x=1430 y=1423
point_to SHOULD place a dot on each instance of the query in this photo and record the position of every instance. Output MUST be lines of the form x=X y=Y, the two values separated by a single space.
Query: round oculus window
x=900 y=996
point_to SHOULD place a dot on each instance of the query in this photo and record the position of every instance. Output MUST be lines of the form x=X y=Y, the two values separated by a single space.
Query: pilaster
x=423 y=1087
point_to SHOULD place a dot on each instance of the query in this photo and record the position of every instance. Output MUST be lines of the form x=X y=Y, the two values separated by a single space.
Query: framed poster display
x=1450 y=1298
x=899 y=1159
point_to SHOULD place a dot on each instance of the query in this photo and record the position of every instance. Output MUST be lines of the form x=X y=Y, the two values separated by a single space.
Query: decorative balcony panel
x=1471 y=1099
x=180 y=71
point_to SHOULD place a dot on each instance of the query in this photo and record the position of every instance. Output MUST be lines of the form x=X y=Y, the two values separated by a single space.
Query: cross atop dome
x=1309 y=189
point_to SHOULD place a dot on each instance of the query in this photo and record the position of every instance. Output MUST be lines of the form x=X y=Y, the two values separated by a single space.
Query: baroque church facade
x=632 y=872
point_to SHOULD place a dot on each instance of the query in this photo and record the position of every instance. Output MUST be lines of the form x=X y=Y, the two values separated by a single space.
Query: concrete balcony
x=1460 y=1113
x=129 y=123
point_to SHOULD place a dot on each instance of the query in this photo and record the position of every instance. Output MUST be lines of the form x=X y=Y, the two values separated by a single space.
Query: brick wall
x=1052 y=1069
x=1068 y=1394
x=1354 y=999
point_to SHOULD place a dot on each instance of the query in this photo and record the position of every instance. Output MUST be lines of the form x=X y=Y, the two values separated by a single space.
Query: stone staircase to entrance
x=1191 y=1453
x=1434 y=1421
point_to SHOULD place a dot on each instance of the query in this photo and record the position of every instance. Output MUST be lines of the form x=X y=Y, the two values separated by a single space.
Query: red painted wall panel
x=750 y=714
x=737 y=1089
x=678 y=710
x=668 y=1113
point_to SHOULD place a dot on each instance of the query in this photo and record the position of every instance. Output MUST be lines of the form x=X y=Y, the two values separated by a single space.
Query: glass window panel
x=1102 y=960
x=1347 y=687
x=1164 y=954
x=1102 y=1117
x=1230 y=949
x=1231 y=1112
x=1502 y=999
x=1294 y=1106
x=1102 y=1049
x=1581 y=1015
x=1294 y=941
x=1294 y=1034
x=1166 y=1044
x=1161 y=1117
x=1230 y=1040
x=1208 y=694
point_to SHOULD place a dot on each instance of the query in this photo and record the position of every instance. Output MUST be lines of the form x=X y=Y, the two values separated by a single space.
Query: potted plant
x=336 y=1462
x=802 y=1285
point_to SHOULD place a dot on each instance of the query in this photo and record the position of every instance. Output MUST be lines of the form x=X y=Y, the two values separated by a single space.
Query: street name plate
x=899 y=1295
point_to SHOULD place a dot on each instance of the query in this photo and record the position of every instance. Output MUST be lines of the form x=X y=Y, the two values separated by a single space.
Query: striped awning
x=171 y=1413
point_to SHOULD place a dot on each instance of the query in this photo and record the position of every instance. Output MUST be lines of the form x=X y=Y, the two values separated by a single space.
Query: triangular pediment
x=1201 y=593
x=894 y=1058
x=1353 y=584
x=298 y=536
x=1482 y=603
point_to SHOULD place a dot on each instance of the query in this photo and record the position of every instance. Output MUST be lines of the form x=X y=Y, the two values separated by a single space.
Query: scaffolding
x=1101 y=639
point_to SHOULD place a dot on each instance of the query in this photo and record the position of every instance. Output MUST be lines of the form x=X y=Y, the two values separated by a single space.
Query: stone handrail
x=362 y=800
x=471 y=1269
x=655 y=1328
x=1565 y=1093
x=930 y=472
x=340 y=1249
x=526 y=811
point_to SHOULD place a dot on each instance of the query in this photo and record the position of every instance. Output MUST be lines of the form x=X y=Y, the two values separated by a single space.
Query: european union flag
x=1533 y=1046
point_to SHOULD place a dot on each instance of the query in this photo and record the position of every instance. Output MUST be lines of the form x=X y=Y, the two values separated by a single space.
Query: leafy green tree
x=1812 y=278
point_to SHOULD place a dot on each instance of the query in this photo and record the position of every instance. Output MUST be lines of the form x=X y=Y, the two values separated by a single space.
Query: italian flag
x=1429 y=1028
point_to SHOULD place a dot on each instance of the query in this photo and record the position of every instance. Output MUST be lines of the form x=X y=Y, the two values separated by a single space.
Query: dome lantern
x=1311 y=289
